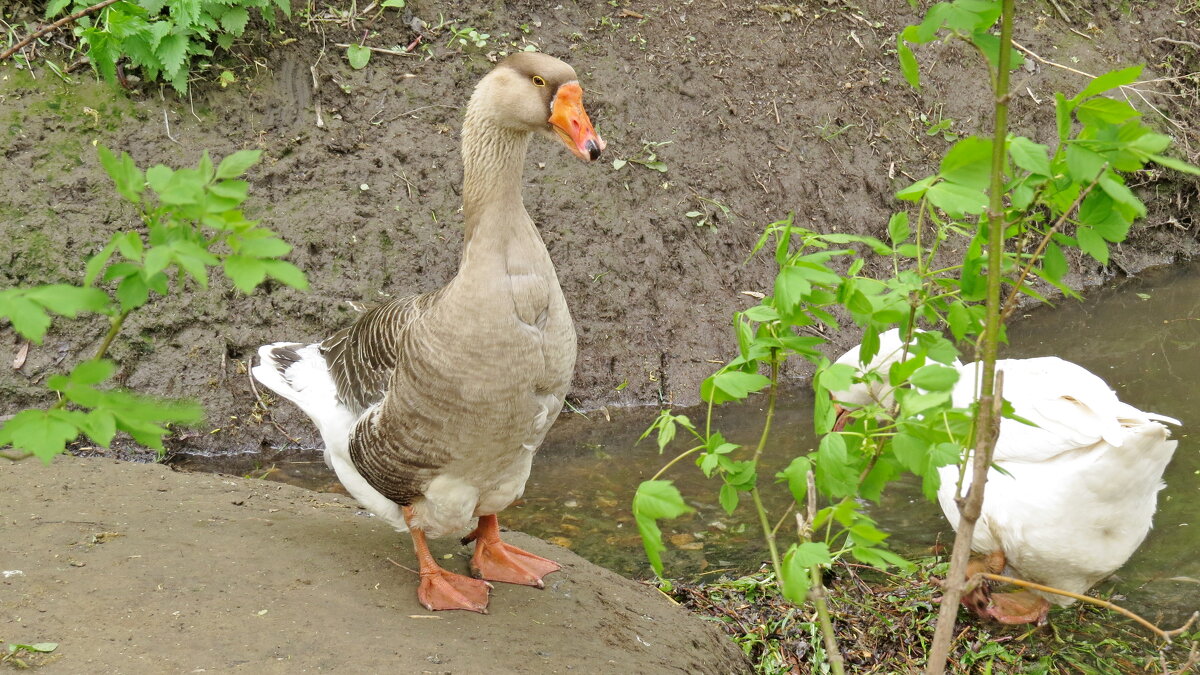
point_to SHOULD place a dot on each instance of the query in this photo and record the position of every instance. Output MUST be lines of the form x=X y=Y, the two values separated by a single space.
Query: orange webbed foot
x=441 y=590
x=495 y=560
x=1019 y=607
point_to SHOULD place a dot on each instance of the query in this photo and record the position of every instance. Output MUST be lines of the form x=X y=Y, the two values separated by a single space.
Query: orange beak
x=572 y=124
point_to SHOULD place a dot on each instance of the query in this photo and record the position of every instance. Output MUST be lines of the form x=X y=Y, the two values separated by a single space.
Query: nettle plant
x=1015 y=206
x=161 y=37
x=192 y=222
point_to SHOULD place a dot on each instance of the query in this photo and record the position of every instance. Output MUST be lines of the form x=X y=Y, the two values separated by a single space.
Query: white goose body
x=1082 y=485
x=432 y=407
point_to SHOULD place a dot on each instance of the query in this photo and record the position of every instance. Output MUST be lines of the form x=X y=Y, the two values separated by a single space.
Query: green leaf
x=935 y=378
x=262 y=247
x=286 y=273
x=1033 y=157
x=1122 y=195
x=913 y=403
x=234 y=20
x=654 y=500
x=898 y=230
x=1092 y=244
x=791 y=286
x=100 y=426
x=908 y=64
x=728 y=498
x=1054 y=263
x=27 y=317
x=133 y=292
x=55 y=7
x=246 y=273
x=157 y=259
x=958 y=318
x=732 y=385
x=1084 y=165
x=358 y=56
x=835 y=476
x=968 y=163
x=1062 y=116
x=880 y=558
x=659 y=499
x=172 y=51
x=130 y=246
x=231 y=189
x=956 y=199
x=236 y=164
x=1176 y=164
x=1109 y=80
x=103 y=52
x=42 y=647
x=92 y=372
x=125 y=175
x=911 y=452
x=1102 y=111
x=796 y=475
x=95 y=264
x=68 y=300
x=45 y=433
x=837 y=377
x=914 y=192
x=794 y=578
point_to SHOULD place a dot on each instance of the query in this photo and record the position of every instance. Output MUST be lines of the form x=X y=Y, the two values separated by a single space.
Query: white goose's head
x=536 y=93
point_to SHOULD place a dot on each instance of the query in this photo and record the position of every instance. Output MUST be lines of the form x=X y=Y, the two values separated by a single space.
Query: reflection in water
x=1142 y=336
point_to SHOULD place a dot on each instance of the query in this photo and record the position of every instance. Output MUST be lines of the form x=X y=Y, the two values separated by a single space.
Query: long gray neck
x=493 y=162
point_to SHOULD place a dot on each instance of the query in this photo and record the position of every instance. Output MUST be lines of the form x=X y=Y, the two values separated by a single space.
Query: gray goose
x=431 y=407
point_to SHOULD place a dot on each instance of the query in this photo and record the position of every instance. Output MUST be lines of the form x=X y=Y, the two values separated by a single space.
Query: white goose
x=1081 y=489
x=431 y=407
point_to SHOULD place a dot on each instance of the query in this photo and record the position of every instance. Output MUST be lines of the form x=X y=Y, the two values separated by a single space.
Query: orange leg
x=497 y=561
x=440 y=589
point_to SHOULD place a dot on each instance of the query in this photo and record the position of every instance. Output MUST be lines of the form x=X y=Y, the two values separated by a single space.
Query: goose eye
x=538 y=81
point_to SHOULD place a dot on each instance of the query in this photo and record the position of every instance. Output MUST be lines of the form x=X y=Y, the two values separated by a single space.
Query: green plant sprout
x=647 y=157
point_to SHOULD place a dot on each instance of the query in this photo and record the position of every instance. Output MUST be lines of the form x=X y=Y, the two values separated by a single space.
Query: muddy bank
x=757 y=112
x=140 y=569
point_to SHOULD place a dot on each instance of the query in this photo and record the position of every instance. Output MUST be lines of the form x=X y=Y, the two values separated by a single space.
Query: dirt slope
x=762 y=112
x=139 y=569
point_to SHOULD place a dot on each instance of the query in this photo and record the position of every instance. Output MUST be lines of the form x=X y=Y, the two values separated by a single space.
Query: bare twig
x=391 y=52
x=55 y=26
x=1060 y=11
x=1185 y=43
x=167 y=122
x=403 y=567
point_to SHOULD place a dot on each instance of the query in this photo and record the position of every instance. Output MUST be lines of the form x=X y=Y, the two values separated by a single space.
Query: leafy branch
x=193 y=222
x=992 y=197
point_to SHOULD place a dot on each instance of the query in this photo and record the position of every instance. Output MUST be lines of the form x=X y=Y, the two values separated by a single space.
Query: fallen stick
x=54 y=26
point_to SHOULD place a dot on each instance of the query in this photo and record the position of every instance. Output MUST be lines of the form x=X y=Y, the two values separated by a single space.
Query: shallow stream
x=1142 y=336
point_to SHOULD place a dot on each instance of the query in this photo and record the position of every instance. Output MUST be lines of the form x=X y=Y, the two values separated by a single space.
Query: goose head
x=537 y=93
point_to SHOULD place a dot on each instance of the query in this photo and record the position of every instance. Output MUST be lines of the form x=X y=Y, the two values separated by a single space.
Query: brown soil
x=141 y=569
x=762 y=115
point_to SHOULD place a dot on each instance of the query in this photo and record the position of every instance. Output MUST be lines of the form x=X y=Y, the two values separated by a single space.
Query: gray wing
x=361 y=357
